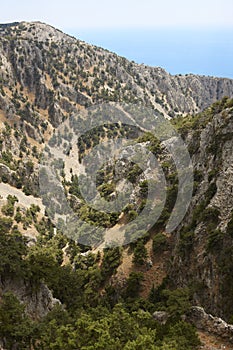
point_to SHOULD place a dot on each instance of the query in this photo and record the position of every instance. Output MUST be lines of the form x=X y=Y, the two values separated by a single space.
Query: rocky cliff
x=37 y=302
x=202 y=255
x=46 y=77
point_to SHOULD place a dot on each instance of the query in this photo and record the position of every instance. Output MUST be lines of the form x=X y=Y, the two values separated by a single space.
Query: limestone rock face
x=38 y=303
x=47 y=76
x=213 y=325
x=204 y=258
x=5 y=172
x=56 y=75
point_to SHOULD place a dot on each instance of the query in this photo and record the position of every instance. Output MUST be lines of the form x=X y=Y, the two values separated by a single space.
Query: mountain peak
x=35 y=30
x=86 y=74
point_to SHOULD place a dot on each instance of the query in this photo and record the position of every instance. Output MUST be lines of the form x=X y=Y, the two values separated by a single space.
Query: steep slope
x=47 y=75
x=198 y=254
x=202 y=257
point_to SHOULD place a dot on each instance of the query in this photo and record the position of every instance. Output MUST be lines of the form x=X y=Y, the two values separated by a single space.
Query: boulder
x=160 y=316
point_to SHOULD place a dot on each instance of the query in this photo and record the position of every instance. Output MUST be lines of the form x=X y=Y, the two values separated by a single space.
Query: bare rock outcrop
x=208 y=323
x=37 y=302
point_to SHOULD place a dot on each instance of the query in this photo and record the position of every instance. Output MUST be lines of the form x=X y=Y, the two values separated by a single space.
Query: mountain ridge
x=119 y=80
x=47 y=77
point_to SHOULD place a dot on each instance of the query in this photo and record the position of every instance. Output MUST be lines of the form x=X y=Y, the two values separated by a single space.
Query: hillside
x=50 y=85
x=57 y=74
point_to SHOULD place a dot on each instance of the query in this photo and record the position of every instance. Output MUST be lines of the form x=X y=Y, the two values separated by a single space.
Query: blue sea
x=179 y=51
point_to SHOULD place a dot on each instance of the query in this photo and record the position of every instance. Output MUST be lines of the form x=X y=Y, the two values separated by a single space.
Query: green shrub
x=177 y=302
x=184 y=336
x=134 y=173
x=5 y=225
x=133 y=286
x=159 y=243
x=210 y=215
x=111 y=260
x=16 y=327
x=140 y=253
x=8 y=209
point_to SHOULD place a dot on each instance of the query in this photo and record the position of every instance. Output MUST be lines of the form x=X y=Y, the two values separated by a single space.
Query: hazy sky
x=179 y=35
x=120 y=13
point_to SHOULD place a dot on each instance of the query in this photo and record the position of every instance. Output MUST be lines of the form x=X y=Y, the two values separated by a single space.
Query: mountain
x=203 y=253
x=47 y=79
x=58 y=73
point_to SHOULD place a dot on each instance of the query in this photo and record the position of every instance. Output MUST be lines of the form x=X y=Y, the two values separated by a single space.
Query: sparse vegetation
x=50 y=81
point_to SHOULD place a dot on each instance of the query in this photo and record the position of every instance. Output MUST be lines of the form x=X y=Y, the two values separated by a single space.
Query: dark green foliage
x=159 y=243
x=74 y=187
x=210 y=215
x=100 y=330
x=215 y=241
x=18 y=216
x=201 y=212
x=13 y=248
x=140 y=253
x=143 y=188
x=5 y=225
x=133 y=285
x=212 y=174
x=111 y=260
x=106 y=189
x=8 y=209
x=92 y=319
x=161 y=222
x=212 y=189
x=69 y=287
x=224 y=259
x=43 y=267
x=118 y=329
x=134 y=173
x=230 y=227
x=154 y=145
x=186 y=240
x=198 y=175
x=177 y=302
x=218 y=106
x=16 y=328
x=27 y=189
x=29 y=167
x=184 y=336
x=7 y=157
